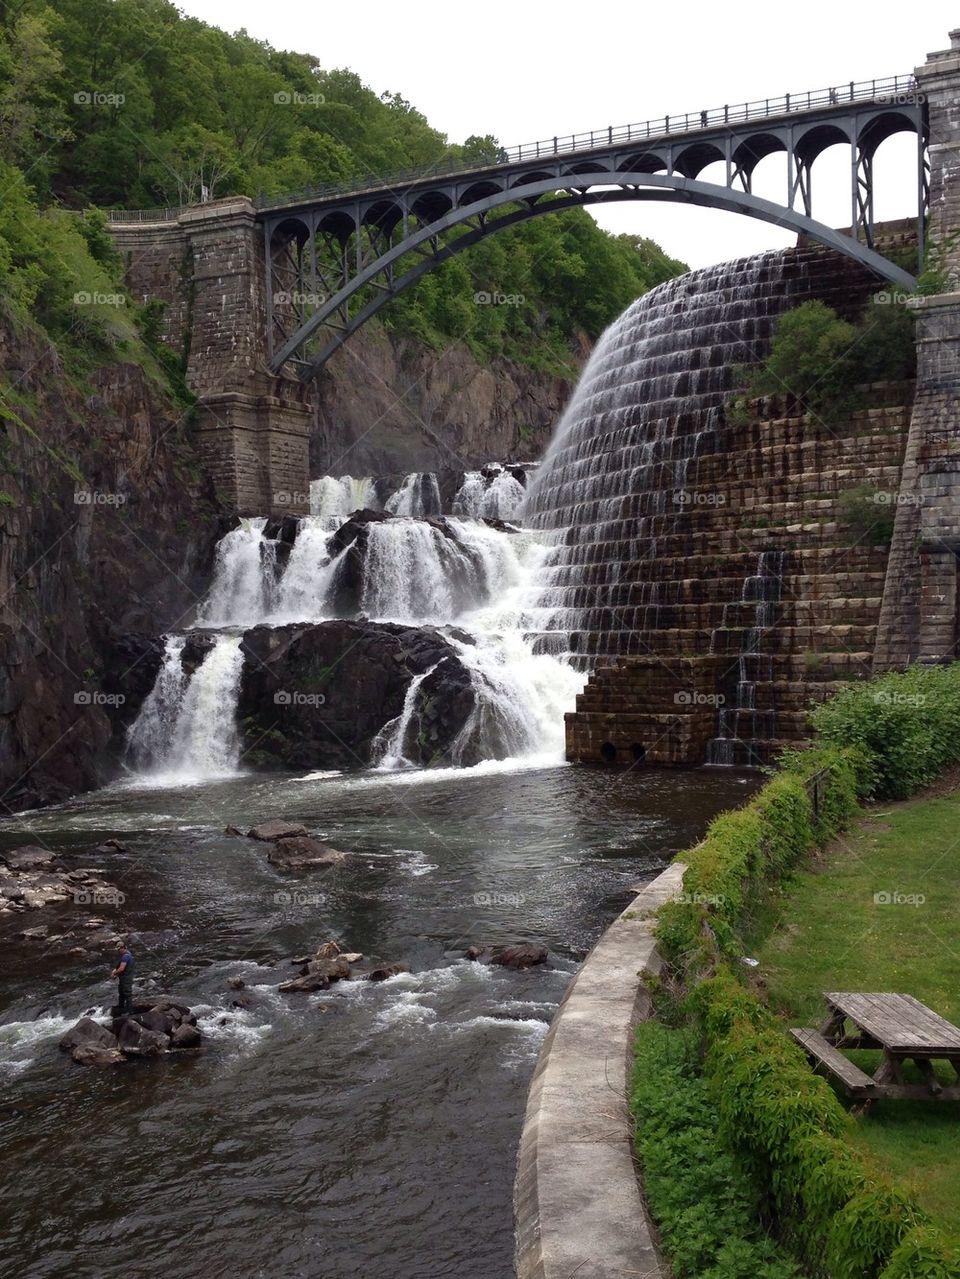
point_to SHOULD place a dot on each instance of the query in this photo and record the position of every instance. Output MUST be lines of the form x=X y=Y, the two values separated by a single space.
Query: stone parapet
x=578 y=1207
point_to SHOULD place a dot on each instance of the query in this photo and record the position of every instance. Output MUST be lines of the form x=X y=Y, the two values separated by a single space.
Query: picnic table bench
x=902 y=1028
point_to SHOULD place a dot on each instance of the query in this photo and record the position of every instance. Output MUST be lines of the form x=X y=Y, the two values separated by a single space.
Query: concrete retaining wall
x=577 y=1203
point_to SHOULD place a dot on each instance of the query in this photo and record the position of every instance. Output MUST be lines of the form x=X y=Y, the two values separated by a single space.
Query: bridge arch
x=526 y=201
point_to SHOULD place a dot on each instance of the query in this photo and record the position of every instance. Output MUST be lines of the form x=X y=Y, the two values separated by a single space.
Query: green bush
x=782 y=1123
x=812 y=358
x=747 y=850
x=705 y=1210
x=786 y=1128
x=822 y=360
x=869 y=513
x=906 y=727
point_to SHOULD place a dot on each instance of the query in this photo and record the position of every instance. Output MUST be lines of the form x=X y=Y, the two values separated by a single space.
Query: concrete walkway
x=577 y=1204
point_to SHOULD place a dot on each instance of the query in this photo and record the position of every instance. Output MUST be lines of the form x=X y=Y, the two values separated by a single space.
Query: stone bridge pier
x=206 y=265
x=920 y=614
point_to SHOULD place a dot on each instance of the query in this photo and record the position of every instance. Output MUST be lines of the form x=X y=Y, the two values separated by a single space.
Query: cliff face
x=107 y=528
x=386 y=404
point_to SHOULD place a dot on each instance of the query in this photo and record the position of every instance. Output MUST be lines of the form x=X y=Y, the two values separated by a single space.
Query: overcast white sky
x=525 y=70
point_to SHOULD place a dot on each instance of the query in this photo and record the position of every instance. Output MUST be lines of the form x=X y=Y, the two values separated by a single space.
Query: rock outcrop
x=151 y=1029
x=107 y=530
x=300 y=852
x=389 y=405
x=32 y=878
x=316 y=696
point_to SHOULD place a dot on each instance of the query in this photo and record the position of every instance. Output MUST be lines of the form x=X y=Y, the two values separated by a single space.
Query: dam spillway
x=665 y=513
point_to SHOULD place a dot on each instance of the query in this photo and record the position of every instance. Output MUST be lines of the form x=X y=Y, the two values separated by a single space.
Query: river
x=370 y=1130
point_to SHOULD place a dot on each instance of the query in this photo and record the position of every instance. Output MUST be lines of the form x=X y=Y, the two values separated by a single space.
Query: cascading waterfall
x=304 y=591
x=743 y=729
x=243 y=589
x=189 y=731
x=497 y=497
x=150 y=735
x=332 y=498
x=611 y=495
x=446 y=572
x=389 y=743
x=418 y=496
x=413 y=572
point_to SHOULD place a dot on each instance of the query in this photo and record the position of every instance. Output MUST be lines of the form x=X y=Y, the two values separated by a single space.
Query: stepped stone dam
x=705 y=572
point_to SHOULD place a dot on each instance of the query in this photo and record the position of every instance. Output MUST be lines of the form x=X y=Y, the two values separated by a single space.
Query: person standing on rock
x=124 y=974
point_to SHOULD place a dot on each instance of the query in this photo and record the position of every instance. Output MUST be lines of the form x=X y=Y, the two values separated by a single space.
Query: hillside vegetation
x=128 y=103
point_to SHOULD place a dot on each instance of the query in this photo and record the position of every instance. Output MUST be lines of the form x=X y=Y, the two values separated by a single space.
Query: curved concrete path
x=578 y=1209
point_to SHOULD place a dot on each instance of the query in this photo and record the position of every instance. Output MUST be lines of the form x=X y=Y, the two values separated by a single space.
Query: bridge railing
x=892 y=89
x=147 y=215
x=895 y=90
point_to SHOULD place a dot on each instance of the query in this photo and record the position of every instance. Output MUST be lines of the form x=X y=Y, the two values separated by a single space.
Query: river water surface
x=370 y=1130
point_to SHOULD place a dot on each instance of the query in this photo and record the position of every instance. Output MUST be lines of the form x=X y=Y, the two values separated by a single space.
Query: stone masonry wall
x=253 y=427
x=918 y=619
x=919 y=615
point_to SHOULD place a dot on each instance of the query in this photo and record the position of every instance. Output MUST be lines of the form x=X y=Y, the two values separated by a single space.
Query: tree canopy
x=129 y=103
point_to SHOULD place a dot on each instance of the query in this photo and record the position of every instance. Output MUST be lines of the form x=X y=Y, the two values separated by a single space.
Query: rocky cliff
x=107 y=528
x=386 y=404
x=108 y=522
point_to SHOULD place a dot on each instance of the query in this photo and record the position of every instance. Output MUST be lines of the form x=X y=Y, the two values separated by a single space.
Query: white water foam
x=310 y=576
x=418 y=495
x=244 y=577
x=19 y=1040
x=332 y=498
x=200 y=731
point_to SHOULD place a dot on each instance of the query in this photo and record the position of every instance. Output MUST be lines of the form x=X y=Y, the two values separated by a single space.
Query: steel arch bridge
x=334 y=257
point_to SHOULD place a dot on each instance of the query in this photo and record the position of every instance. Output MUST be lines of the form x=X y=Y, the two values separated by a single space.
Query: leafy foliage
x=131 y=103
x=822 y=360
x=787 y=1129
x=869 y=513
x=747 y=850
x=784 y=1124
x=705 y=1209
x=905 y=724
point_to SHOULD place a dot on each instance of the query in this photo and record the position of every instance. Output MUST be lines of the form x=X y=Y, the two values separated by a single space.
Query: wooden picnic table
x=902 y=1028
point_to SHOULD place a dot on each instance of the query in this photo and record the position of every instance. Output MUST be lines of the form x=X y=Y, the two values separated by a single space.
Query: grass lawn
x=831 y=932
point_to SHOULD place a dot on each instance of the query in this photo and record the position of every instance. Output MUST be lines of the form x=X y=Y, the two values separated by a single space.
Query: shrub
x=906 y=727
x=786 y=1128
x=870 y=518
x=747 y=850
x=781 y=1122
x=822 y=360
x=812 y=358
x=706 y=1212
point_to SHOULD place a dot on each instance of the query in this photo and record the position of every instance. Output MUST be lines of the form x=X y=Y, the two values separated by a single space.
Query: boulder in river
x=319 y=975
x=299 y=852
x=524 y=955
x=186 y=1036
x=277 y=829
x=385 y=971
x=160 y=1026
x=96 y=1055
x=111 y=846
x=316 y=695
x=89 y=1032
x=30 y=858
